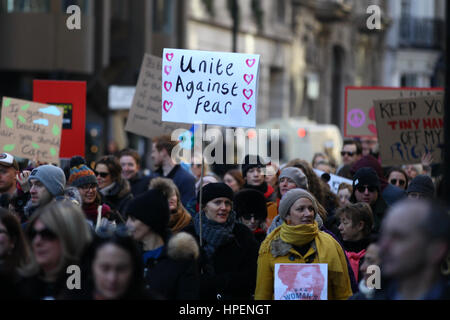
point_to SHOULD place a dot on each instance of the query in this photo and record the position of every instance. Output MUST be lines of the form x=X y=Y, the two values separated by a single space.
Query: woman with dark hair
x=14 y=250
x=398 y=177
x=170 y=262
x=111 y=268
x=83 y=178
x=228 y=249
x=115 y=190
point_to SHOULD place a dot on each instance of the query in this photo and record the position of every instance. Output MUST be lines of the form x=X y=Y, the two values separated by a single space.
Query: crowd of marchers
x=187 y=232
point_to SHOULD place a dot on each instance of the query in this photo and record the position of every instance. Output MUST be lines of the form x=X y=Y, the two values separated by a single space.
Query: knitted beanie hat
x=422 y=184
x=289 y=199
x=296 y=175
x=215 y=190
x=250 y=201
x=81 y=175
x=51 y=177
x=152 y=208
x=366 y=176
x=251 y=161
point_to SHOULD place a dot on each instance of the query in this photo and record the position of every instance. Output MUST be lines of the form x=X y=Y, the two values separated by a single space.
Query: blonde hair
x=68 y=222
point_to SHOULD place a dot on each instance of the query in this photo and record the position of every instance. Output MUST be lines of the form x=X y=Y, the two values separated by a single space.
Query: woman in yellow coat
x=298 y=240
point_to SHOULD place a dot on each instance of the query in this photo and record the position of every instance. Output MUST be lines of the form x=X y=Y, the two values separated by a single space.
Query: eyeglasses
x=363 y=188
x=400 y=182
x=46 y=234
x=349 y=153
x=101 y=174
x=88 y=186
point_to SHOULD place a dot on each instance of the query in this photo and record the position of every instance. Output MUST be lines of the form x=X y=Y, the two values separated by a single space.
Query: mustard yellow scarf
x=299 y=235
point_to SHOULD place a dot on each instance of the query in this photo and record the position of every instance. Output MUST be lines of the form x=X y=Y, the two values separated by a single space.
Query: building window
x=409 y=80
x=83 y=4
x=406 y=8
x=281 y=10
x=25 y=6
x=162 y=16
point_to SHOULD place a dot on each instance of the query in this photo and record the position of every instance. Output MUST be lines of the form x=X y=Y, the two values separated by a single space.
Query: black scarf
x=262 y=187
x=214 y=234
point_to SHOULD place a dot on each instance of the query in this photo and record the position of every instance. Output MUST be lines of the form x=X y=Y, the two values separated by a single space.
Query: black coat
x=231 y=272
x=139 y=184
x=118 y=197
x=174 y=274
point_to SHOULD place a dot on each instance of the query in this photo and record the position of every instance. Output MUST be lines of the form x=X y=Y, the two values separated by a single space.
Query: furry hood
x=182 y=246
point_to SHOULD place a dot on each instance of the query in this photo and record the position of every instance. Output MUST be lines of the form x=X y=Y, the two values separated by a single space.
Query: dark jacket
x=139 y=184
x=266 y=189
x=174 y=274
x=183 y=179
x=231 y=272
x=118 y=197
x=35 y=288
x=388 y=291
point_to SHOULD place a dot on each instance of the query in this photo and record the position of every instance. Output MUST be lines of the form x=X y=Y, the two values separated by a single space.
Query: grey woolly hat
x=289 y=199
x=296 y=175
x=422 y=184
x=53 y=178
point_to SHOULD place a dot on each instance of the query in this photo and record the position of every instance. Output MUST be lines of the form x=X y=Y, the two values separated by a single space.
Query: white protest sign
x=218 y=88
x=335 y=180
x=301 y=281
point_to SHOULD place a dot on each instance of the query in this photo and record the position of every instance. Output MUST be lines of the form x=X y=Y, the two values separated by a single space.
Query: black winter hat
x=251 y=161
x=152 y=208
x=215 y=190
x=366 y=176
x=250 y=201
x=422 y=184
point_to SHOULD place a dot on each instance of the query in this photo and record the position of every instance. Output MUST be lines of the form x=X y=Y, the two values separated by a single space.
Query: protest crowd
x=180 y=234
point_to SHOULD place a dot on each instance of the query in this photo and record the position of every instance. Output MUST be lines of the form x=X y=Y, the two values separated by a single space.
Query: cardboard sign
x=70 y=95
x=301 y=281
x=359 y=106
x=210 y=87
x=144 y=117
x=335 y=180
x=409 y=128
x=31 y=130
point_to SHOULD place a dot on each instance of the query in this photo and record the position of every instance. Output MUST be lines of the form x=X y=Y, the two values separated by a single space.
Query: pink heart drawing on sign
x=248 y=78
x=246 y=107
x=248 y=93
x=372 y=114
x=167 y=69
x=167 y=105
x=169 y=56
x=167 y=85
x=250 y=62
x=373 y=129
